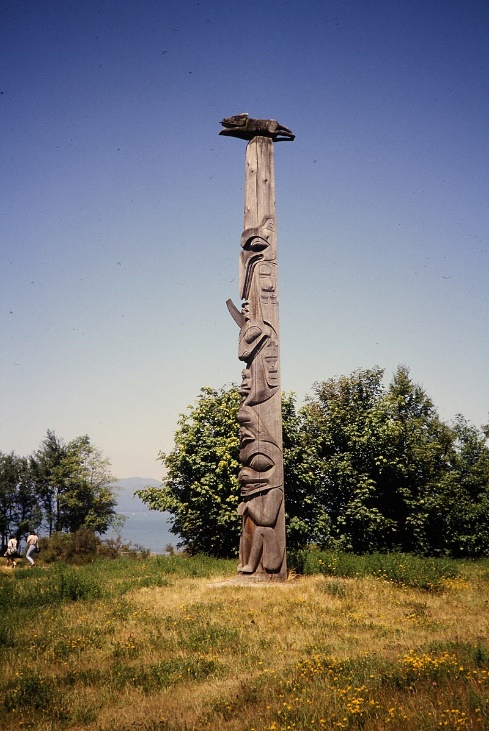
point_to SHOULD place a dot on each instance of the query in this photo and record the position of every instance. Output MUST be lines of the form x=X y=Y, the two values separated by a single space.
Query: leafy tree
x=28 y=512
x=47 y=469
x=341 y=425
x=87 y=498
x=18 y=499
x=378 y=454
x=307 y=521
x=201 y=489
x=367 y=468
x=458 y=509
x=417 y=447
x=74 y=485
x=8 y=487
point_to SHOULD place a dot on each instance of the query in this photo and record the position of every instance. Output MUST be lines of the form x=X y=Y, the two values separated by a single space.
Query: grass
x=167 y=644
x=403 y=569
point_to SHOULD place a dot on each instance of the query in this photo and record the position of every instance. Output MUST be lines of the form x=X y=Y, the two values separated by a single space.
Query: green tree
x=341 y=428
x=416 y=456
x=307 y=521
x=87 y=498
x=8 y=486
x=46 y=467
x=345 y=420
x=377 y=454
x=201 y=489
x=367 y=468
x=74 y=485
x=457 y=510
x=19 y=508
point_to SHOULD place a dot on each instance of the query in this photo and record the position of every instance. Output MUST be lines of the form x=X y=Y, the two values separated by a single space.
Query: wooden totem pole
x=262 y=554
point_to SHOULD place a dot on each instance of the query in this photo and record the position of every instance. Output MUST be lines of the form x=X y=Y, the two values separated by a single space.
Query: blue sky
x=121 y=208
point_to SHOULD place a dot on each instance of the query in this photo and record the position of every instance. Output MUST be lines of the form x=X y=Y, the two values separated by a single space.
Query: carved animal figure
x=246 y=128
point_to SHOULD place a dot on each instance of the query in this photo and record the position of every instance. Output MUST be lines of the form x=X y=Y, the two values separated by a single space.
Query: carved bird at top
x=246 y=128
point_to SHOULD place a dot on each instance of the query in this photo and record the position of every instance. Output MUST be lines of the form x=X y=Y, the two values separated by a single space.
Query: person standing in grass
x=32 y=544
x=11 y=553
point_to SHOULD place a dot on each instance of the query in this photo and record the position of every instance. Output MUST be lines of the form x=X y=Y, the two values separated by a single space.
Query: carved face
x=259 y=455
x=259 y=471
x=261 y=380
x=252 y=337
x=251 y=428
x=254 y=251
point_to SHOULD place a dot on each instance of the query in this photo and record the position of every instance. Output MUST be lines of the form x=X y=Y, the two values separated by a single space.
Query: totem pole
x=262 y=546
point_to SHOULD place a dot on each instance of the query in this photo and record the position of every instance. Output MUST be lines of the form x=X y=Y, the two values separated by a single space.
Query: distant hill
x=127 y=502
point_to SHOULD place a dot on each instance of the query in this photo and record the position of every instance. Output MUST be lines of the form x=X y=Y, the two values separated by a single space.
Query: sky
x=121 y=208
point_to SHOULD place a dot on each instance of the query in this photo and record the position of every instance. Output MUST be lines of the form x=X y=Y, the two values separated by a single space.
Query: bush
x=115 y=547
x=80 y=547
x=84 y=547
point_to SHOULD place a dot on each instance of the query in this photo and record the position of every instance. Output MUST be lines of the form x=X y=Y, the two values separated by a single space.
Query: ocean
x=148 y=529
x=143 y=527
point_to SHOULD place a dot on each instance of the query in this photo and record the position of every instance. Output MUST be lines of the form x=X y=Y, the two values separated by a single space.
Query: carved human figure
x=261 y=481
x=260 y=539
x=258 y=348
x=262 y=545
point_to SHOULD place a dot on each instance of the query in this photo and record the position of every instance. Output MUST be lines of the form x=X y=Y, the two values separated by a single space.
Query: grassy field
x=168 y=644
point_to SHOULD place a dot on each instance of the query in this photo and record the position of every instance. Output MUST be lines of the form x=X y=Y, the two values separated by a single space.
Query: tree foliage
x=201 y=490
x=376 y=452
x=457 y=510
x=85 y=498
x=62 y=487
x=19 y=506
x=367 y=468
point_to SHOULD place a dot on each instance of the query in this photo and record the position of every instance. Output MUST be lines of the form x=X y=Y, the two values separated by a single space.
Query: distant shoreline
x=146 y=528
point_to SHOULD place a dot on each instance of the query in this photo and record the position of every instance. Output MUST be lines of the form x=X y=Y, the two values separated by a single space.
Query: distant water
x=148 y=529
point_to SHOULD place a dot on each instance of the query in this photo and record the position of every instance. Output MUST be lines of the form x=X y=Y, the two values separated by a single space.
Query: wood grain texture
x=262 y=545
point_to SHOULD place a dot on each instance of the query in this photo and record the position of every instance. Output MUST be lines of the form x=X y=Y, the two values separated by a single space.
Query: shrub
x=85 y=546
x=80 y=547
